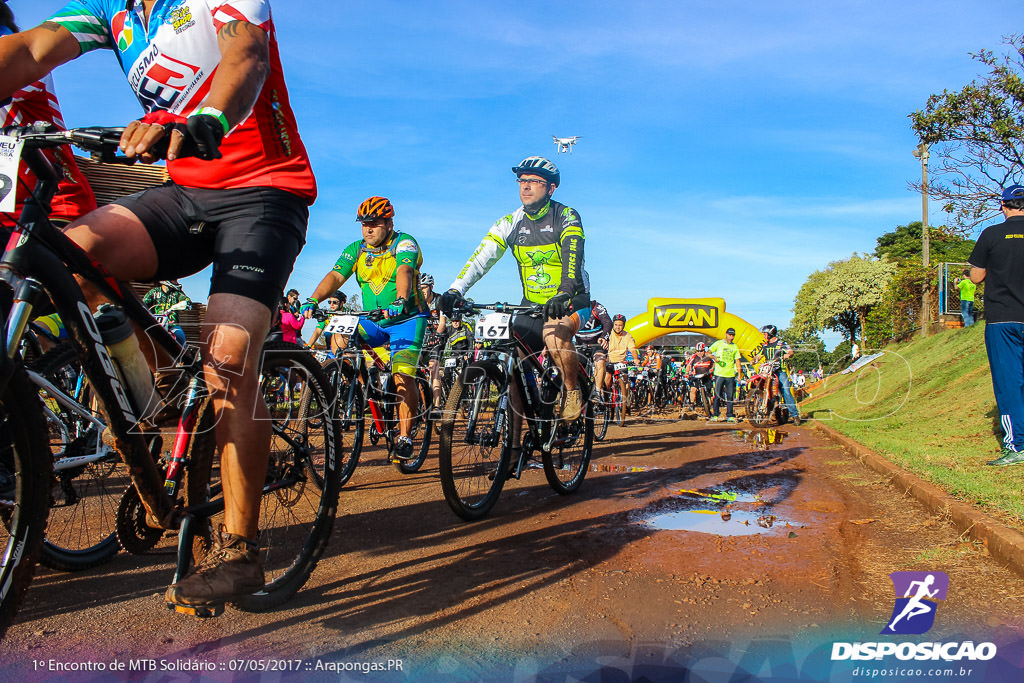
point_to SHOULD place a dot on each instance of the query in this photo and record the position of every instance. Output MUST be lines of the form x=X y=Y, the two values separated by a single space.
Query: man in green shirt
x=727 y=367
x=386 y=264
x=967 y=289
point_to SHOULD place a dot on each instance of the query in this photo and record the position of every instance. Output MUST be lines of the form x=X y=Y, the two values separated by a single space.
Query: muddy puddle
x=764 y=439
x=602 y=467
x=717 y=511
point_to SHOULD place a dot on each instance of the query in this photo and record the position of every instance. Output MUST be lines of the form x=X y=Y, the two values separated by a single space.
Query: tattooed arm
x=28 y=56
x=244 y=65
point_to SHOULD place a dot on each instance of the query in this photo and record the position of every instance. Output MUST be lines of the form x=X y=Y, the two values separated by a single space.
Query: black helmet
x=619 y=316
x=538 y=166
x=770 y=330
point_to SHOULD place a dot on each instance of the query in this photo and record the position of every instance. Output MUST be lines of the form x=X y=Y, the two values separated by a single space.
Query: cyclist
x=698 y=369
x=546 y=238
x=36 y=102
x=242 y=205
x=386 y=264
x=596 y=331
x=727 y=367
x=775 y=351
x=332 y=342
x=620 y=345
x=162 y=299
x=434 y=341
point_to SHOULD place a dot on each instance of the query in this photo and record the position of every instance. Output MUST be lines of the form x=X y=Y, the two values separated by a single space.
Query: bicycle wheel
x=84 y=498
x=605 y=418
x=475 y=443
x=421 y=428
x=620 y=409
x=26 y=468
x=566 y=464
x=296 y=514
x=757 y=412
x=702 y=396
x=349 y=398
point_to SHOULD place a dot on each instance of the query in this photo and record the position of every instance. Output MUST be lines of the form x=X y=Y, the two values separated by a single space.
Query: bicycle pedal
x=200 y=611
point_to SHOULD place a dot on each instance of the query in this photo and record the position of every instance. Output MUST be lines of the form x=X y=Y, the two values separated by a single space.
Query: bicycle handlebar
x=102 y=142
x=472 y=308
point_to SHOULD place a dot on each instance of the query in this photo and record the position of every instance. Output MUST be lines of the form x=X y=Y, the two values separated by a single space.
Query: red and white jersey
x=74 y=197
x=170 y=61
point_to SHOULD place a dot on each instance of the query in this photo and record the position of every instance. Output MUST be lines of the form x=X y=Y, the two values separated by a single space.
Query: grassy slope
x=928 y=406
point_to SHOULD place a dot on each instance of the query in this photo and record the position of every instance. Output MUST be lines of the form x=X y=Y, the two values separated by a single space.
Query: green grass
x=927 y=405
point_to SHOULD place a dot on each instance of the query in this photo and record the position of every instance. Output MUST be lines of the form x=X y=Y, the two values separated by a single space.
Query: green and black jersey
x=548 y=247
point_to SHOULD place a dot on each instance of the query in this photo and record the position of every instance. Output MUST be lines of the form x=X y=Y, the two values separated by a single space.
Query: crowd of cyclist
x=240 y=201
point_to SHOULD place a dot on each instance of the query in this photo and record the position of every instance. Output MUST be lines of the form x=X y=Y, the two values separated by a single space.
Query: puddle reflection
x=762 y=438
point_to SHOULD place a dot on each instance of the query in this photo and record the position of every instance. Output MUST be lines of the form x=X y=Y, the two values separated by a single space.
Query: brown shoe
x=573 y=405
x=230 y=570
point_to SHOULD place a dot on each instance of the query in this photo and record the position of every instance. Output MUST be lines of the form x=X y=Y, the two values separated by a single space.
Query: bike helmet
x=375 y=208
x=770 y=330
x=619 y=316
x=538 y=166
x=426 y=280
x=700 y=347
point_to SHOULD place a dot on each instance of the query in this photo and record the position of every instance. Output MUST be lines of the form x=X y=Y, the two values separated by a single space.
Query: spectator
x=291 y=323
x=998 y=261
x=854 y=351
x=967 y=289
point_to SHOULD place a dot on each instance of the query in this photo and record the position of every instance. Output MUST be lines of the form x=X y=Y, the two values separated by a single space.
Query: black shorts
x=251 y=235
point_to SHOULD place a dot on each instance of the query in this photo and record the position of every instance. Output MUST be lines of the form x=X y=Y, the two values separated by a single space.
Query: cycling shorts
x=402 y=340
x=251 y=235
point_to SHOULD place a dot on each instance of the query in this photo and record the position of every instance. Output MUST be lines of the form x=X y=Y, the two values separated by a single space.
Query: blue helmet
x=538 y=166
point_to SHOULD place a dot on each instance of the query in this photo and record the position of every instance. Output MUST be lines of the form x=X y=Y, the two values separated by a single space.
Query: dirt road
x=792 y=552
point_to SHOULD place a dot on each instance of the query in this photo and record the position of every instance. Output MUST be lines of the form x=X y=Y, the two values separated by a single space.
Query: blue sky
x=728 y=149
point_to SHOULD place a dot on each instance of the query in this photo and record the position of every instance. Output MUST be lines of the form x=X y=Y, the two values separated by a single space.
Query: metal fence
x=949 y=294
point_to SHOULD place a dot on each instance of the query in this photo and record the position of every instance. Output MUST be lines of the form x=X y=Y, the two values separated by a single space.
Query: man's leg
x=787 y=394
x=599 y=372
x=234 y=328
x=405 y=386
x=434 y=371
x=730 y=395
x=558 y=341
x=1005 y=345
x=716 y=401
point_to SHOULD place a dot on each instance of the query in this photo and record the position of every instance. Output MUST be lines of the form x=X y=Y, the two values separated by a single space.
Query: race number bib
x=494 y=326
x=10 y=155
x=450 y=362
x=344 y=325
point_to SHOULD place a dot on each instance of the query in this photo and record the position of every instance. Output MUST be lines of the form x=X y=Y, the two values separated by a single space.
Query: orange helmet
x=375 y=208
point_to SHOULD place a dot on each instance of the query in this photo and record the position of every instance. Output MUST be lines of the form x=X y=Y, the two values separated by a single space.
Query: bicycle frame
x=39 y=264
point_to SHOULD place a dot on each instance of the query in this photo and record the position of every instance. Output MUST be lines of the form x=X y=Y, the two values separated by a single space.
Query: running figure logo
x=917 y=596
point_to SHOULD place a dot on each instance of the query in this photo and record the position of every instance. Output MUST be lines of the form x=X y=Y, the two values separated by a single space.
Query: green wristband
x=217 y=114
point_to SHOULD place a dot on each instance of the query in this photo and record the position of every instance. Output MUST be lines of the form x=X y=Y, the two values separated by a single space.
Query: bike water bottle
x=119 y=338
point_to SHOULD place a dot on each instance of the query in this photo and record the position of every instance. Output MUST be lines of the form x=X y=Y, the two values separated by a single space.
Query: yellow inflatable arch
x=704 y=316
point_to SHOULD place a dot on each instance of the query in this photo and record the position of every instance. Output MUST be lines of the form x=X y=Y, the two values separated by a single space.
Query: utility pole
x=921 y=152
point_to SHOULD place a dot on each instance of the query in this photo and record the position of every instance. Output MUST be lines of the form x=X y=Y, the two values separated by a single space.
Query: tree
x=977 y=137
x=809 y=350
x=904 y=245
x=840 y=297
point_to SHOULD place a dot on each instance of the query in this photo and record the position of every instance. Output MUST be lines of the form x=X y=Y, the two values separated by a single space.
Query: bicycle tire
x=566 y=464
x=473 y=474
x=702 y=395
x=24 y=451
x=81 y=532
x=421 y=429
x=606 y=418
x=310 y=415
x=297 y=516
x=620 y=409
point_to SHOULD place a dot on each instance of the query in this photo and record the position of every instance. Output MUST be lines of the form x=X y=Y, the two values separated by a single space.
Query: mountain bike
x=180 y=493
x=475 y=453
x=363 y=382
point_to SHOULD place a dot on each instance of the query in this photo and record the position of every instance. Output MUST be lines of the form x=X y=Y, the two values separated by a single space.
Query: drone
x=566 y=144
